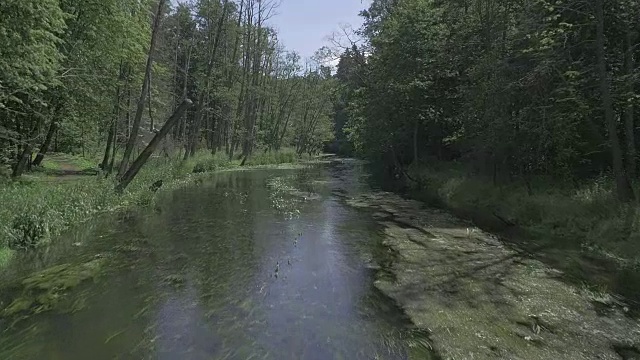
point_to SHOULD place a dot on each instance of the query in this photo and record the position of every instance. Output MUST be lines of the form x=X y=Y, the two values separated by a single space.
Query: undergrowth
x=586 y=217
x=34 y=211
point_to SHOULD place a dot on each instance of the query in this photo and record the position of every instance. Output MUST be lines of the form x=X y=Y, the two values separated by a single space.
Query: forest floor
x=483 y=299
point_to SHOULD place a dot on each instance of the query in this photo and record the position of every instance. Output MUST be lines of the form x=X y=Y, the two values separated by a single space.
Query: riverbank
x=582 y=231
x=481 y=299
x=41 y=206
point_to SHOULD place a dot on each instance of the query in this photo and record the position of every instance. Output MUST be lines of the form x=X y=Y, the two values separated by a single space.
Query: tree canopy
x=73 y=78
x=513 y=89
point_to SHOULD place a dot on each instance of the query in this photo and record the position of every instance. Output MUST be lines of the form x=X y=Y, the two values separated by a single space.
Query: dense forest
x=532 y=103
x=91 y=76
x=515 y=90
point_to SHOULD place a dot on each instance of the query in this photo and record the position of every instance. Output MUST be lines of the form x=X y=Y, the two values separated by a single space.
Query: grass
x=285 y=156
x=35 y=211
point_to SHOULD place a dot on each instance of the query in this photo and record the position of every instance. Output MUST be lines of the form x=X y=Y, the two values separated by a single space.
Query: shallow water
x=265 y=264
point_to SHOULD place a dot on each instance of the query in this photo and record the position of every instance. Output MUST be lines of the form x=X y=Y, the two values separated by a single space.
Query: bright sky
x=304 y=25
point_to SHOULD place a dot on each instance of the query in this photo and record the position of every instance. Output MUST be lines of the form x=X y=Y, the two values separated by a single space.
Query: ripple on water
x=197 y=280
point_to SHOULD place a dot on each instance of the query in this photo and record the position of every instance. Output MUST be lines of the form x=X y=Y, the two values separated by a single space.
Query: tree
x=623 y=188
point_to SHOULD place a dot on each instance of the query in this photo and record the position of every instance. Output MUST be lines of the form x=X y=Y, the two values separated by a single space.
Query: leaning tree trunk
x=623 y=188
x=46 y=144
x=26 y=152
x=153 y=144
x=23 y=163
x=133 y=136
x=629 y=65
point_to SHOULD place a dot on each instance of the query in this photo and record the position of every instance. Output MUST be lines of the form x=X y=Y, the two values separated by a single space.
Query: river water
x=261 y=264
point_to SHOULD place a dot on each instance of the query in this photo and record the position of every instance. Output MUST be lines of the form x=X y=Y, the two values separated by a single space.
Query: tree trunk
x=47 y=142
x=205 y=94
x=252 y=113
x=112 y=128
x=623 y=188
x=629 y=65
x=107 y=150
x=231 y=75
x=153 y=144
x=415 y=142
x=133 y=137
x=114 y=148
x=23 y=163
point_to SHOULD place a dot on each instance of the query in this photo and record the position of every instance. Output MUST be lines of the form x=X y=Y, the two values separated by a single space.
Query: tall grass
x=34 y=211
x=284 y=156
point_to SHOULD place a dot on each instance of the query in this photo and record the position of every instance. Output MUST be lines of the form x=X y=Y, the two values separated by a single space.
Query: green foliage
x=505 y=86
x=509 y=97
x=29 y=59
x=66 y=161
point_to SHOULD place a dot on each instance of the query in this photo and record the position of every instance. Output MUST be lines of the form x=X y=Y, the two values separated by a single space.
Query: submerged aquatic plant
x=43 y=291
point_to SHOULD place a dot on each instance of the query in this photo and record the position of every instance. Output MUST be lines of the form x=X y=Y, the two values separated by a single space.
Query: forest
x=100 y=77
x=522 y=110
x=453 y=179
x=525 y=110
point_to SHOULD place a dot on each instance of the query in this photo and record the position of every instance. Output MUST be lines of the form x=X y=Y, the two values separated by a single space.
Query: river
x=261 y=264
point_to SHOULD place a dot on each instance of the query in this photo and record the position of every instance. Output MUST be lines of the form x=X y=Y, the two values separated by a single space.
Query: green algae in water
x=43 y=291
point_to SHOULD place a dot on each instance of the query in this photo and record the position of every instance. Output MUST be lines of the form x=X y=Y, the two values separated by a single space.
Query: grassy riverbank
x=586 y=217
x=581 y=230
x=37 y=208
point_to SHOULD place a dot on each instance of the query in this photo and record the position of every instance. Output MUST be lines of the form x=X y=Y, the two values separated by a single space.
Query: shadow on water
x=266 y=264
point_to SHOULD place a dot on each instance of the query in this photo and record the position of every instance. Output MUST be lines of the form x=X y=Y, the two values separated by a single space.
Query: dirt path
x=483 y=300
x=64 y=167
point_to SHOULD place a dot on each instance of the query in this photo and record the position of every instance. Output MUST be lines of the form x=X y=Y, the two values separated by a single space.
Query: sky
x=304 y=25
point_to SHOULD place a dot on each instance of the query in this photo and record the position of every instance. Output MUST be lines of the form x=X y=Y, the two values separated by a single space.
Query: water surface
x=265 y=264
